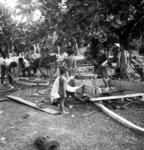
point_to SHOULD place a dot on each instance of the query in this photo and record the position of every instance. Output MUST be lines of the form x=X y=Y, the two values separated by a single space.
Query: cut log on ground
x=90 y=90
x=117 y=97
x=120 y=119
x=135 y=86
x=33 y=105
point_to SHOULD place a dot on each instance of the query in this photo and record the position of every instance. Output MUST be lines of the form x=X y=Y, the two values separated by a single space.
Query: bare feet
x=65 y=112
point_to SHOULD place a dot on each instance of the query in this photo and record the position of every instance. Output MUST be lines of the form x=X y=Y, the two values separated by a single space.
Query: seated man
x=25 y=65
x=6 y=68
x=58 y=92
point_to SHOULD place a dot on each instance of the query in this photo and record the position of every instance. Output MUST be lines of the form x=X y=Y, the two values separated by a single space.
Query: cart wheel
x=47 y=69
x=15 y=72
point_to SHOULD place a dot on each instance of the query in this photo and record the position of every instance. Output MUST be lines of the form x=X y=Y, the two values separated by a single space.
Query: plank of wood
x=116 y=97
x=88 y=75
x=32 y=84
x=33 y=105
x=36 y=80
x=120 y=119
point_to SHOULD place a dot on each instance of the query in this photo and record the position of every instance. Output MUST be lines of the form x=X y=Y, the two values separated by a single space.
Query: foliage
x=101 y=22
x=37 y=31
x=6 y=26
x=104 y=21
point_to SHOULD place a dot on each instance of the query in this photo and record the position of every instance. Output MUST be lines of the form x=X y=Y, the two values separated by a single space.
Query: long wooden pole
x=120 y=119
x=116 y=97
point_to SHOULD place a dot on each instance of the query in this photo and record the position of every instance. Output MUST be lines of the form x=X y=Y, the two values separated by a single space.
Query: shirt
x=71 y=81
x=7 y=62
x=26 y=63
x=55 y=92
x=56 y=88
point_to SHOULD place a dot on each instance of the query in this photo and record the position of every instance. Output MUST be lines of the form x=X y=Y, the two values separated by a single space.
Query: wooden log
x=120 y=119
x=116 y=97
x=33 y=105
x=135 y=86
x=32 y=83
x=92 y=91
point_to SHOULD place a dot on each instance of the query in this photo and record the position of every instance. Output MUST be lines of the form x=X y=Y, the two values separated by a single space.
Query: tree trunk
x=124 y=61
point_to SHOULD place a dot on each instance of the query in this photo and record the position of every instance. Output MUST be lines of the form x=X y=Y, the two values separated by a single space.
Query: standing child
x=58 y=92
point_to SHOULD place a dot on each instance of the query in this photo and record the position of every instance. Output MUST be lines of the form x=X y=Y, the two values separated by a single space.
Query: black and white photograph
x=71 y=74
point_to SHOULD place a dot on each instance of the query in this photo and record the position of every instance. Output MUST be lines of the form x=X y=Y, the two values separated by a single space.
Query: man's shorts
x=103 y=71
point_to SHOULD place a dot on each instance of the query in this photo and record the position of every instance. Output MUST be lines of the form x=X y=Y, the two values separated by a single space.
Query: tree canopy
x=108 y=21
x=102 y=22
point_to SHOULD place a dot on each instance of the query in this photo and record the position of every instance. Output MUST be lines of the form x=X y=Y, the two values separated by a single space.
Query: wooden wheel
x=15 y=72
x=47 y=69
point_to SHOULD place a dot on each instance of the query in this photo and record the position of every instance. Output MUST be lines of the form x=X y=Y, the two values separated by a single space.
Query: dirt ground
x=85 y=128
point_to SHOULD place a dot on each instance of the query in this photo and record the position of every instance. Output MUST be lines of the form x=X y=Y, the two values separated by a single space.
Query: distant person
x=6 y=69
x=25 y=66
x=70 y=62
x=101 y=60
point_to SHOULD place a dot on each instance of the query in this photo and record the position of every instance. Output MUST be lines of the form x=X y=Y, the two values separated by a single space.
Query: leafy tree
x=6 y=25
x=104 y=22
x=36 y=31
